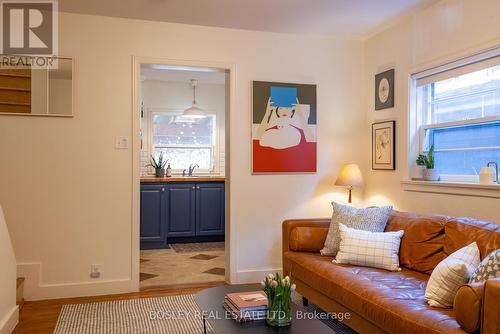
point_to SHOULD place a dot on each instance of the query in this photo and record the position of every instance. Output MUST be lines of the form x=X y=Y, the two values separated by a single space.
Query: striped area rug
x=166 y=315
x=170 y=314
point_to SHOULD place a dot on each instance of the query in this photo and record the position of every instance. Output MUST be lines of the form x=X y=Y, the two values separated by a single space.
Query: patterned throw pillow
x=370 y=249
x=450 y=274
x=369 y=219
x=488 y=268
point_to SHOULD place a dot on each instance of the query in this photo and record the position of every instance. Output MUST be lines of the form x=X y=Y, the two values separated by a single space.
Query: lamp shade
x=194 y=112
x=350 y=175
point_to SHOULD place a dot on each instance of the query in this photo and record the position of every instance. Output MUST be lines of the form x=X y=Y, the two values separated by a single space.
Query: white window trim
x=215 y=147
x=452 y=188
x=467 y=186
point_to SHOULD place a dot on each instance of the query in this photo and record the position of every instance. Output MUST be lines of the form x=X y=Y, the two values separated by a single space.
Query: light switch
x=121 y=142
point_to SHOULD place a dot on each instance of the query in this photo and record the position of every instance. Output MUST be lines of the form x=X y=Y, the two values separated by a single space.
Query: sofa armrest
x=467 y=306
x=491 y=307
x=477 y=306
x=289 y=225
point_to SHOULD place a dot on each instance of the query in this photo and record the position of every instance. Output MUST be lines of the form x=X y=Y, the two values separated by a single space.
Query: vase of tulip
x=279 y=294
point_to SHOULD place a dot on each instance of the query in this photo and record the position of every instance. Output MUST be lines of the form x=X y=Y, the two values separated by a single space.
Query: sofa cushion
x=450 y=274
x=373 y=219
x=422 y=245
x=393 y=301
x=460 y=232
x=488 y=268
x=371 y=249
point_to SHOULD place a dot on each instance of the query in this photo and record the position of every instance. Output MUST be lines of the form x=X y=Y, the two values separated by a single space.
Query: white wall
x=9 y=312
x=168 y=96
x=443 y=32
x=68 y=192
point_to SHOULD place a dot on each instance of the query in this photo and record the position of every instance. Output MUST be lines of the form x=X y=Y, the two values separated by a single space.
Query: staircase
x=20 y=292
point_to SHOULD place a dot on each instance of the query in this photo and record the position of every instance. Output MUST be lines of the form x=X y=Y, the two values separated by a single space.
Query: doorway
x=182 y=176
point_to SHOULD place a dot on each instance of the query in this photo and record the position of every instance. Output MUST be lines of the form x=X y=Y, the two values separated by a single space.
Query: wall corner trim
x=9 y=322
x=254 y=275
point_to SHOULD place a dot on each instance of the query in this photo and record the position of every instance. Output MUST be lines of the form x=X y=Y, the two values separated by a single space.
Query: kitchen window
x=457 y=110
x=185 y=141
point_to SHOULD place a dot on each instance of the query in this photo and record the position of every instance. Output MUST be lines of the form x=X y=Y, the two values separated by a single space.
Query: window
x=184 y=141
x=458 y=112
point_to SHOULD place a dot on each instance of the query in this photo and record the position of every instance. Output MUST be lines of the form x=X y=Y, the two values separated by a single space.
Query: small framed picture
x=384 y=145
x=384 y=90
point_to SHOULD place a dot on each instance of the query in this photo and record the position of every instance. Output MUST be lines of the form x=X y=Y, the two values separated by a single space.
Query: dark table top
x=210 y=302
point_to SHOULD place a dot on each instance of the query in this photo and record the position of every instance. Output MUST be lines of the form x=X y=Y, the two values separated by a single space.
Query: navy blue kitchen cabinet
x=153 y=210
x=210 y=209
x=182 y=212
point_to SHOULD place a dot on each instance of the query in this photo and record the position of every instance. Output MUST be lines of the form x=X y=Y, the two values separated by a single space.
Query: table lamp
x=349 y=176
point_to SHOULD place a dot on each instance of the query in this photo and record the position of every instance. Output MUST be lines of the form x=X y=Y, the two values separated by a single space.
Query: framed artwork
x=283 y=128
x=384 y=90
x=384 y=145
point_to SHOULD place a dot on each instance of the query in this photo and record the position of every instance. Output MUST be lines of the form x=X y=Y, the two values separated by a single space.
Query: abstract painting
x=384 y=144
x=283 y=128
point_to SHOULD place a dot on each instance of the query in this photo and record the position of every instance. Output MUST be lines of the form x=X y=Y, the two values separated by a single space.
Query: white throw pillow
x=450 y=274
x=370 y=249
x=369 y=219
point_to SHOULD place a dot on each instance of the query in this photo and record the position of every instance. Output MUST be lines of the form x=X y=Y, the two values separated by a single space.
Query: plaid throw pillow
x=450 y=274
x=369 y=219
x=370 y=249
x=488 y=268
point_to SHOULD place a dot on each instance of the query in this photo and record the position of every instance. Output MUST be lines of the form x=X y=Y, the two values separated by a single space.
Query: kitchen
x=182 y=229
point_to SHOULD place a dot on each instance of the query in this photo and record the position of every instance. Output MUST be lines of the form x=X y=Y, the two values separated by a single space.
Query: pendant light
x=194 y=111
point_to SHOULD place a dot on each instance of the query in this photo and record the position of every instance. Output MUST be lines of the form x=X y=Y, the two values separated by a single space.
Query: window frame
x=214 y=147
x=419 y=121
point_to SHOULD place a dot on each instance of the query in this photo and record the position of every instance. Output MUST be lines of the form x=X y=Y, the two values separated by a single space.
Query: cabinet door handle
x=197 y=187
x=193 y=187
x=162 y=189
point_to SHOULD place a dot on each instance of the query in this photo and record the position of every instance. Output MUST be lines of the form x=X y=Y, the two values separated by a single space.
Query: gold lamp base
x=350 y=194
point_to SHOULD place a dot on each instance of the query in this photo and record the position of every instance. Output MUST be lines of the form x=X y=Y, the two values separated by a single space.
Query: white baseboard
x=34 y=289
x=9 y=322
x=254 y=275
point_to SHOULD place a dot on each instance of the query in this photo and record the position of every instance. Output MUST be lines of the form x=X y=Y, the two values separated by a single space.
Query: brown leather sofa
x=380 y=301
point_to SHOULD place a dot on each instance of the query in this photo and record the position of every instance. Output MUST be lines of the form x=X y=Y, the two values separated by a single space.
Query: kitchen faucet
x=191 y=169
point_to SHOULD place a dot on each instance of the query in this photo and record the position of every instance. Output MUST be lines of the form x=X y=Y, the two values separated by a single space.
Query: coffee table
x=210 y=302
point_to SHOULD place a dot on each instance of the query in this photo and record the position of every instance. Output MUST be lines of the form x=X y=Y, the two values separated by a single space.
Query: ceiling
x=352 y=19
x=182 y=74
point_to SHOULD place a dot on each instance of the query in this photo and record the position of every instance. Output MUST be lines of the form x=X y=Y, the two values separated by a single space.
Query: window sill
x=452 y=188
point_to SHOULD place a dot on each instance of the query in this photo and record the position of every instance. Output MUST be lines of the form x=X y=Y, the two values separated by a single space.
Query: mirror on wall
x=35 y=91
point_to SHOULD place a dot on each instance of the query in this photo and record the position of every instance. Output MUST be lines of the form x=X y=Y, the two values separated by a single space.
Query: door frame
x=230 y=233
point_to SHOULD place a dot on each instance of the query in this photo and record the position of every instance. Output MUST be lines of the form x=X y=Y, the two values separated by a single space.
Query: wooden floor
x=40 y=317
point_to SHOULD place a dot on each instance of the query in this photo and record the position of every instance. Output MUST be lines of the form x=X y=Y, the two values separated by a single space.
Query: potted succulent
x=429 y=173
x=279 y=295
x=159 y=164
x=417 y=171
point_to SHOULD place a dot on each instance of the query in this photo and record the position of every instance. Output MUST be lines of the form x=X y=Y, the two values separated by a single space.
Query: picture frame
x=384 y=145
x=384 y=90
x=284 y=122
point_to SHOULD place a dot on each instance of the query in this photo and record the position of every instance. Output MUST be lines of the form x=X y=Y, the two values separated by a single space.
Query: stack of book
x=246 y=306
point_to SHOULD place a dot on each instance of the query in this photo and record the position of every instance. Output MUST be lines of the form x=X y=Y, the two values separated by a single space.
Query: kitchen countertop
x=180 y=178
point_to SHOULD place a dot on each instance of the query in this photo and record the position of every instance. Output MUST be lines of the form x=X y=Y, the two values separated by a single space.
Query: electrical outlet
x=95 y=271
x=121 y=142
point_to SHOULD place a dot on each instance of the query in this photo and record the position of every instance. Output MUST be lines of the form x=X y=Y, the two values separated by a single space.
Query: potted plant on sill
x=429 y=173
x=159 y=164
